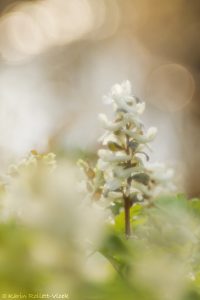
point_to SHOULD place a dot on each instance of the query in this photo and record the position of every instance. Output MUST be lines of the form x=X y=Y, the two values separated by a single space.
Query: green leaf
x=194 y=206
x=135 y=218
x=141 y=178
x=119 y=222
x=121 y=110
x=116 y=251
x=114 y=146
x=133 y=145
x=178 y=202
x=136 y=210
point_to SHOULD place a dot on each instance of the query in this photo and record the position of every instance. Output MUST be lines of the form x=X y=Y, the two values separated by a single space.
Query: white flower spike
x=123 y=165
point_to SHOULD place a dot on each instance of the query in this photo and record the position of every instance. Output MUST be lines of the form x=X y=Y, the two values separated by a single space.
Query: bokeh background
x=58 y=57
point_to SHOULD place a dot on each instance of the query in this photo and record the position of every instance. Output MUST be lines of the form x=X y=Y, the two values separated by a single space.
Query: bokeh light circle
x=170 y=87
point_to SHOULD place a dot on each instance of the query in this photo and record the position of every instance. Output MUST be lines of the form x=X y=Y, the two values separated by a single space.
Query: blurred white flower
x=122 y=90
x=115 y=195
x=50 y=201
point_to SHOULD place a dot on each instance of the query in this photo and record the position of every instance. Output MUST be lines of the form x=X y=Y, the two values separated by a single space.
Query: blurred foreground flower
x=64 y=227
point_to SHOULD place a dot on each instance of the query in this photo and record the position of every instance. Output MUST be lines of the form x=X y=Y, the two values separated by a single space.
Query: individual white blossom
x=109 y=156
x=146 y=138
x=111 y=126
x=160 y=172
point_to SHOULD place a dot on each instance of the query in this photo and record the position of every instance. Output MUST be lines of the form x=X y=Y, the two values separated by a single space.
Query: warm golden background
x=57 y=58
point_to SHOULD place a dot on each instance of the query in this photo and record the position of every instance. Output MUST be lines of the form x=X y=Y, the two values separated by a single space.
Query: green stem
x=127 y=217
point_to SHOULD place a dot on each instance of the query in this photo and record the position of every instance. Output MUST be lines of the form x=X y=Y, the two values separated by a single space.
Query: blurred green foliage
x=161 y=259
x=168 y=231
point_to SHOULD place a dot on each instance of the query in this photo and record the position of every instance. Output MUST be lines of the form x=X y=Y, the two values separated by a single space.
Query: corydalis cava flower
x=122 y=172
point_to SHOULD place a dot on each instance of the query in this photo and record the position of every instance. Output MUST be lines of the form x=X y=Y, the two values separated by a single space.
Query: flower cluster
x=33 y=160
x=123 y=170
x=28 y=164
